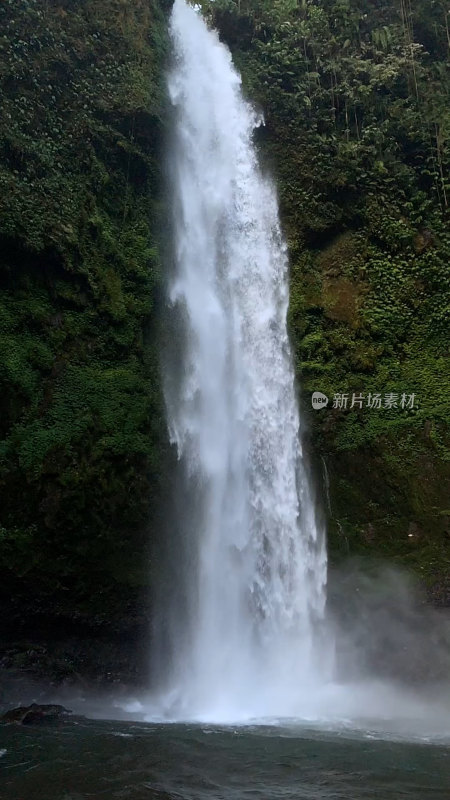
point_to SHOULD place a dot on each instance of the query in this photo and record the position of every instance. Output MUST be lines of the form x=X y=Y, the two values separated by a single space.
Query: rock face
x=369 y=274
x=79 y=376
x=34 y=714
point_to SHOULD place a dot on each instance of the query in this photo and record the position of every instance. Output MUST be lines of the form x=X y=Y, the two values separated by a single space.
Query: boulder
x=34 y=714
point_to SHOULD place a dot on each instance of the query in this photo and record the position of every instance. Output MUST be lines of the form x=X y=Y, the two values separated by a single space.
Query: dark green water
x=137 y=761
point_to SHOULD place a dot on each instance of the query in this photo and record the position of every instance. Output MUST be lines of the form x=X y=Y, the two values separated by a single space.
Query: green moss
x=82 y=434
x=357 y=135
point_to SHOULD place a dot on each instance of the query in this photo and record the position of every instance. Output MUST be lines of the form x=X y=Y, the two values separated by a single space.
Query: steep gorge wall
x=82 y=434
x=355 y=97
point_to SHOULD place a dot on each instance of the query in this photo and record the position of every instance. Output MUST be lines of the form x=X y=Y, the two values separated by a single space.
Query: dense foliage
x=356 y=96
x=81 y=427
x=357 y=121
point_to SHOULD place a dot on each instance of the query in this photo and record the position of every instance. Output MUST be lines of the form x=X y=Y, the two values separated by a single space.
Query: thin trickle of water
x=326 y=483
x=254 y=559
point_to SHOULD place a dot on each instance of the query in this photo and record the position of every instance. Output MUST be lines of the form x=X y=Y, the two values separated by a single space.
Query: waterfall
x=253 y=563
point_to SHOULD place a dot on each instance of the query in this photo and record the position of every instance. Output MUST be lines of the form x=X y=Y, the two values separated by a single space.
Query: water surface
x=135 y=761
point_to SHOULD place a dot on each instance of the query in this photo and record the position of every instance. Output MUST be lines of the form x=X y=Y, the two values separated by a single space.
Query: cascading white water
x=255 y=567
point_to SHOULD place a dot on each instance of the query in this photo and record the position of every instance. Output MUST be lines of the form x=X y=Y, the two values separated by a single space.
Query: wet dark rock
x=78 y=656
x=34 y=714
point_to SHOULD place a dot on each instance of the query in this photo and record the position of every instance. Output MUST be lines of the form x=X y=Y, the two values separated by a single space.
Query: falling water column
x=253 y=557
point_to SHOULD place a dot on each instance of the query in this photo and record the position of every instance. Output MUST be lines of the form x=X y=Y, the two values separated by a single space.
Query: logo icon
x=319 y=401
